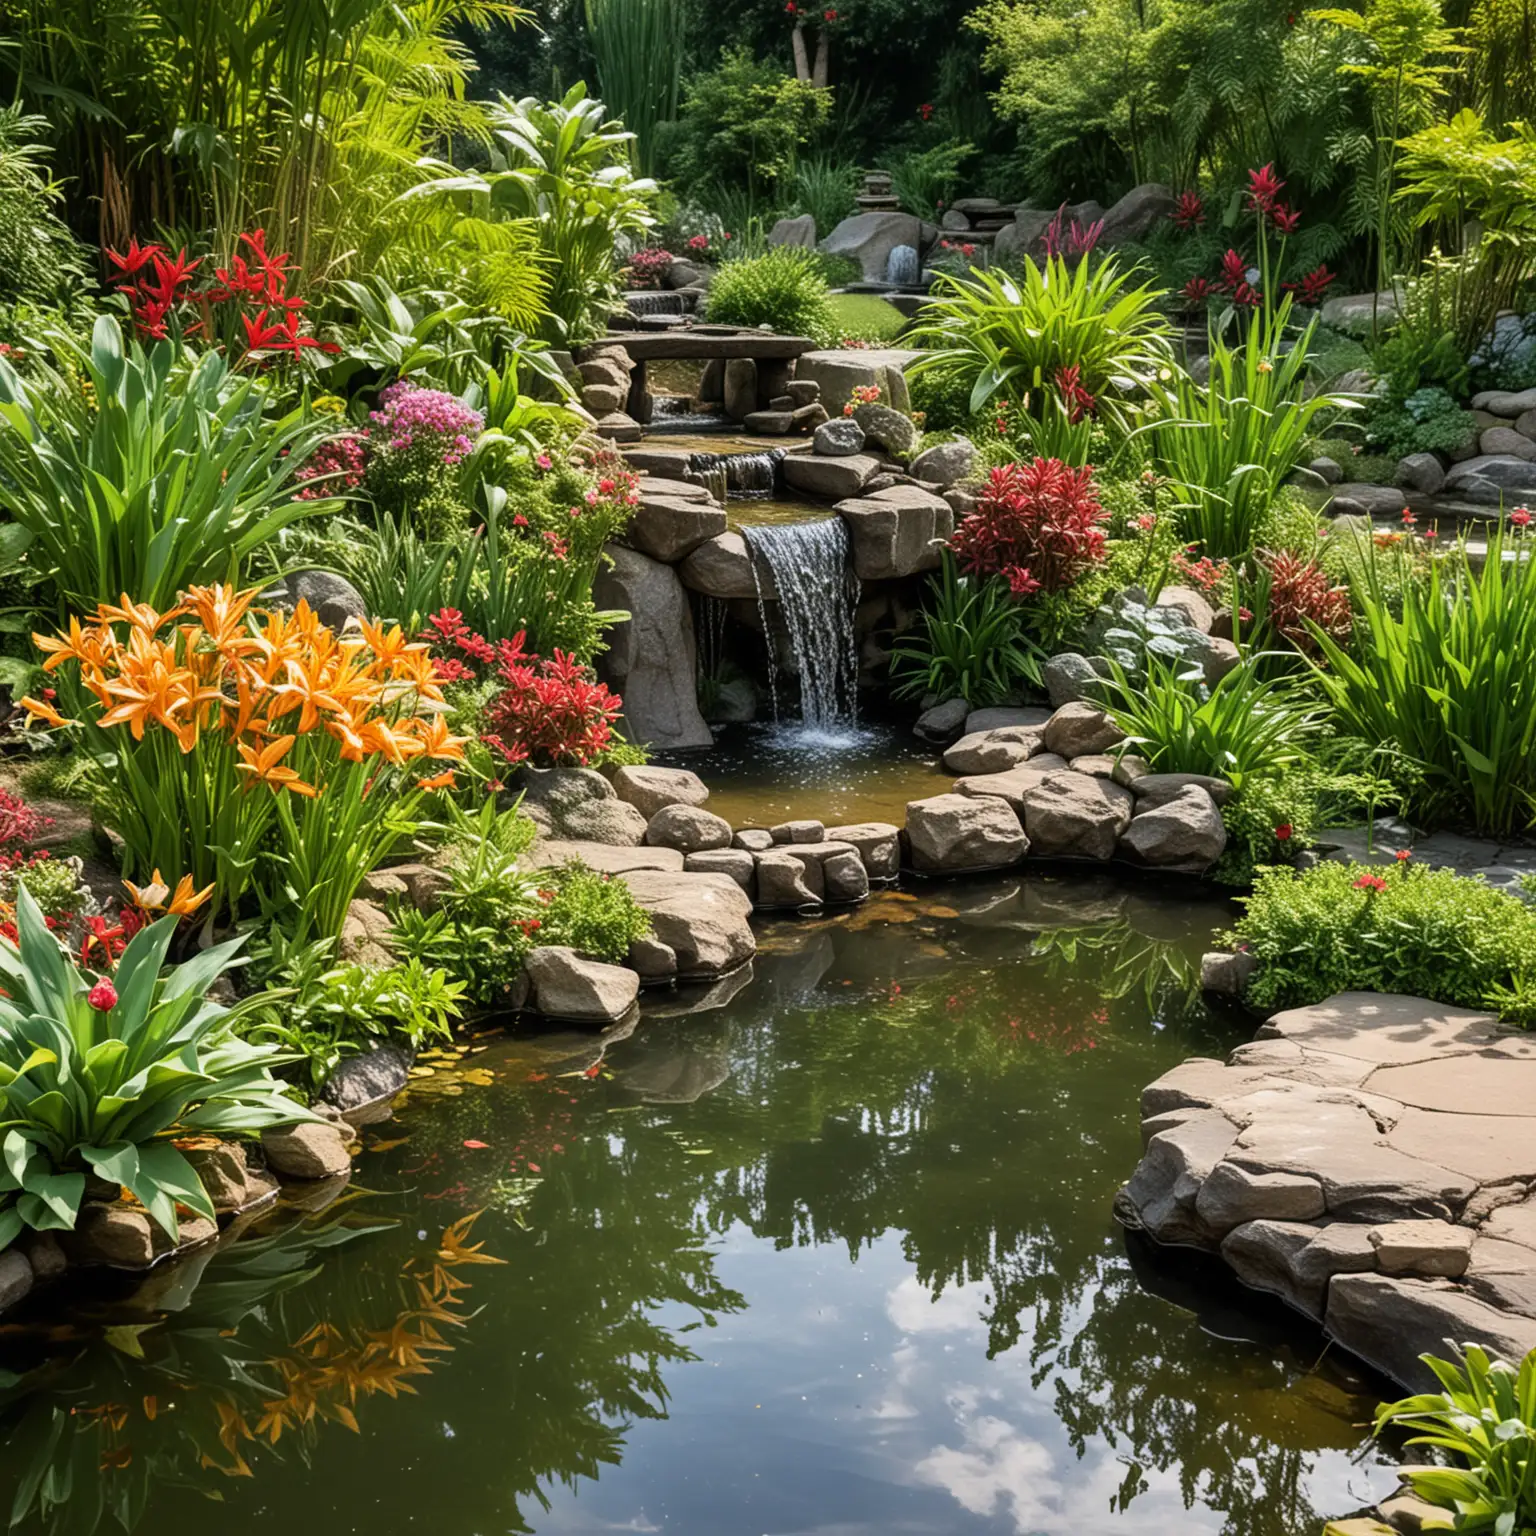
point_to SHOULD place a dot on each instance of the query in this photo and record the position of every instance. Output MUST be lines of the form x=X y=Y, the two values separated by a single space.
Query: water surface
x=825 y=1249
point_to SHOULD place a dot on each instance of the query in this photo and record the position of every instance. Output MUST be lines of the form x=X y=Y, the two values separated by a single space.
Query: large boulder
x=669 y=527
x=869 y=239
x=1137 y=214
x=332 y=598
x=704 y=918
x=1013 y=784
x=943 y=723
x=838 y=373
x=722 y=567
x=651 y=660
x=1487 y=479
x=877 y=843
x=568 y=986
x=370 y=1077
x=951 y=834
x=993 y=751
x=830 y=479
x=1081 y=730
x=840 y=438
x=1071 y=815
x=1357 y=314
x=1185 y=833
x=688 y=828
x=888 y=429
x=896 y=532
x=649 y=788
x=306 y=1151
x=798 y=232
x=945 y=463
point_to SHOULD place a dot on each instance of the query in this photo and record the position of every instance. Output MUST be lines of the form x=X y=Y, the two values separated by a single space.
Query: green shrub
x=593 y=914
x=1439 y=669
x=1485 y=1423
x=783 y=290
x=1428 y=421
x=866 y=317
x=1408 y=928
x=40 y=261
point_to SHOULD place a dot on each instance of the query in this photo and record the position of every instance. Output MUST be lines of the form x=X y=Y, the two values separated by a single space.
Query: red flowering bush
x=551 y=712
x=1038 y=525
x=648 y=267
x=1300 y=594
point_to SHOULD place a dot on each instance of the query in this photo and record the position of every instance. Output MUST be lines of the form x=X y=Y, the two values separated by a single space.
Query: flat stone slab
x=1371 y=1160
x=602 y=857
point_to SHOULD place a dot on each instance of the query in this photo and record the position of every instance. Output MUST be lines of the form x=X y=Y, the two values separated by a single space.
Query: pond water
x=827 y=1249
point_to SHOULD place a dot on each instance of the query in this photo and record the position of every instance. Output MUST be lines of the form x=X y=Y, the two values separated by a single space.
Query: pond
x=826 y=1249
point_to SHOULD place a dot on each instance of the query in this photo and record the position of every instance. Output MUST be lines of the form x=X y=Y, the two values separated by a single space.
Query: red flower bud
x=102 y=997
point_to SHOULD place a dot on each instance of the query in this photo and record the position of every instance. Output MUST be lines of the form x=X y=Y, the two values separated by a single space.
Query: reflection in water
x=834 y=1253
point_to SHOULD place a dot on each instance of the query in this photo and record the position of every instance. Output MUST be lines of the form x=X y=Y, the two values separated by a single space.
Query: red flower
x=1408 y=518
x=1074 y=397
x=1300 y=596
x=1043 y=519
x=1234 y=271
x=1404 y=854
x=1263 y=188
x=1430 y=533
x=1520 y=517
x=1189 y=213
x=1370 y=883
x=1283 y=832
x=1312 y=288
x=1247 y=295
x=1197 y=290
x=102 y=997
x=1284 y=219
x=926 y=111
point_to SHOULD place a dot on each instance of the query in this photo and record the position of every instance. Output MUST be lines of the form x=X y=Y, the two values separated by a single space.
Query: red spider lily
x=1370 y=883
x=1234 y=270
x=1197 y=290
x=1312 y=288
x=135 y=259
x=1042 y=519
x=1263 y=188
x=1189 y=212
x=1078 y=401
x=1284 y=219
x=1300 y=596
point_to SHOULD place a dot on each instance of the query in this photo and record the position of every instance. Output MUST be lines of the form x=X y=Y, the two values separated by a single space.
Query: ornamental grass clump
x=1402 y=928
x=258 y=752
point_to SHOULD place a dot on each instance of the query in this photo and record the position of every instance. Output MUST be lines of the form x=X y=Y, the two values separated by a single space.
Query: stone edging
x=1372 y=1161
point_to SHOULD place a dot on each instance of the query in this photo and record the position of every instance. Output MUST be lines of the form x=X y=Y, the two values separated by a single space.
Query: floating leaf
x=477 y=1146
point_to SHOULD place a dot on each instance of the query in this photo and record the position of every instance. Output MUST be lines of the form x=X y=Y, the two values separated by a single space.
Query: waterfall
x=641 y=301
x=748 y=476
x=817 y=591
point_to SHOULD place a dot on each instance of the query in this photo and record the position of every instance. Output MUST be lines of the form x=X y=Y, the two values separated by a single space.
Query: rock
x=869 y=239
x=1190 y=605
x=1485 y=479
x=897 y=532
x=1162 y=1192
x=798 y=232
x=802 y=831
x=1420 y=473
x=332 y=598
x=1410 y=1516
x=605 y=370
x=1357 y=314
x=734 y=862
x=839 y=372
x=44 y=1254
x=1427 y=1248
x=618 y=427
x=769 y=423
x=365 y=937
x=1156 y=789
x=704 y=918
x=558 y=791
x=603 y=399
x=829 y=479
x=1507 y=442
x=16 y=1278
x=878 y=844
x=803 y=392
x=652 y=960
x=787 y=882
x=997 y=719
x=1099 y=767
x=1129 y=769
x=1071 y=816
x=839 y=438
x=845 y=876
x=1137 y=214
x=740 y=388
x=306 y=1151
x=651 y=660
x=943 y=723
x=651 y=789
x=370 y=1077
x=1295 y=1260
x=1185 y=833
x=603 y=821
x=567 y=986
x=888 y=429
x=1506 y=403
x=1225 y=973
x=1013 y=784
x=220 y=1168
x=604 y=858
x=945 y=463
x=809 y=418
x=119 y=1235
x=1389 y=1321
x=1081 y=730
x=1303 y=479
x=688 y=828
x=1232 y=1196
x=683 y=274
x=753 y=839
x=722 y=567
x=949 y=834
x=668 y=528
x=1330 y=471
x=993 y=751
x=1525 y=425
x=1070 y=679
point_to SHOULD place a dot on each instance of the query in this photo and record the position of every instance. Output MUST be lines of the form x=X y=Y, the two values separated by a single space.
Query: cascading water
x=806 y=564
x=641 y=302
x=748 y=476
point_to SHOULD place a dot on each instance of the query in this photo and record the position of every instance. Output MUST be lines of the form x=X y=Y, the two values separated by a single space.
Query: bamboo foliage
x=639 y=46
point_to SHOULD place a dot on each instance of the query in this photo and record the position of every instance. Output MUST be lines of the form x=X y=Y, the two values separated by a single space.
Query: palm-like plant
x=1014 y=337
x=97 y=1077
x=1226 y=446
x=168 y=477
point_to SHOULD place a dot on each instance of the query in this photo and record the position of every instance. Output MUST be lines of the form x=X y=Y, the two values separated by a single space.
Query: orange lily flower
x=265 y=765
x=40 y=709
x=443 y=780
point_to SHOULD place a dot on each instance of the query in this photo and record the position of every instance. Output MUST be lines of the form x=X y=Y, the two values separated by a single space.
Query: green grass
x=867 y=317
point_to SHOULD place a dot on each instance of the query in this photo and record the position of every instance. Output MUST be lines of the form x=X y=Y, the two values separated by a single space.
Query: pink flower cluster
x=339 y=465
x=410 y=416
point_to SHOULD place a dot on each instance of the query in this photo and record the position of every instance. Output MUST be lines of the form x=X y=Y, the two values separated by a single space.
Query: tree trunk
x=823 y=61
x=802 y=59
